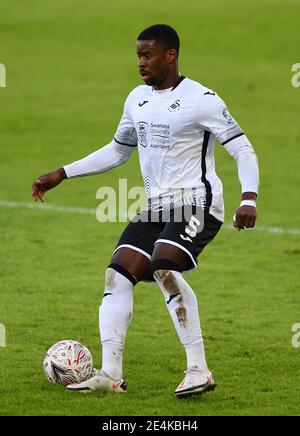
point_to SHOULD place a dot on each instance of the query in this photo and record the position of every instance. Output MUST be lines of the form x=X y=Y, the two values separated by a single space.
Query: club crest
x=174 y=106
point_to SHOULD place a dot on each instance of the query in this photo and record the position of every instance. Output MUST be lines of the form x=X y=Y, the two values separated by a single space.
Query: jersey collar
x=181 y=78
x=168 y=90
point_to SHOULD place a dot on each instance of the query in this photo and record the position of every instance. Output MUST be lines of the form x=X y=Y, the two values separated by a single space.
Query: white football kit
x=175 y=132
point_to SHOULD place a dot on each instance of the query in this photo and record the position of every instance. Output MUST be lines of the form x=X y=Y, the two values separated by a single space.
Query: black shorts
x=189 y=229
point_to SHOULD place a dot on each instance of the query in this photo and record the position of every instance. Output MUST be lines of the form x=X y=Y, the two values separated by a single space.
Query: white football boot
x=195 y=382
x=99 y=382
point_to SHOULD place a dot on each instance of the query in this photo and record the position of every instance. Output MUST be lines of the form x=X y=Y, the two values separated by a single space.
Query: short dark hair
x=161 y=33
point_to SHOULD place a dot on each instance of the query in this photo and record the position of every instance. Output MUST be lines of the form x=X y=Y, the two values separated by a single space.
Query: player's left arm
x=242 y=151
x=214 y=117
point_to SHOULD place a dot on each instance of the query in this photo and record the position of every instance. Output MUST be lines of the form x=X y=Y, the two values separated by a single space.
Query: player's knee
x=114 y=273
x=133 y=262
x=165 y=274
x=119 y=285
x=164 y=265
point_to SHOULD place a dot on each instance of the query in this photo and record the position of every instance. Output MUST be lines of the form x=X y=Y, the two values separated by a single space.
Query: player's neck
x=169 y=82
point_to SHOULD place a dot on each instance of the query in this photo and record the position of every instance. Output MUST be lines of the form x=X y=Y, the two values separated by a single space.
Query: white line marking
x=90 y=211
x=51 y=207
x=274 y=230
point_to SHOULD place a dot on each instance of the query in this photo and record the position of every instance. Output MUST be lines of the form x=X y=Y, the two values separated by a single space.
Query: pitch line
x=46 y=207
x=90 y=211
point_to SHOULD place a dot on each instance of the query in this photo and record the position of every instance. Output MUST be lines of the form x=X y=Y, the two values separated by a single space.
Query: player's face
x=153 y=62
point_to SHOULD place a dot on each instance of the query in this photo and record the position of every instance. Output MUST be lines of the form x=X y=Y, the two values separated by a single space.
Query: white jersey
x=175 y=131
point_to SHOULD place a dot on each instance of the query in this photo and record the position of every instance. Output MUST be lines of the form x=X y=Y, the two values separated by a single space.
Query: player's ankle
x=112 y=373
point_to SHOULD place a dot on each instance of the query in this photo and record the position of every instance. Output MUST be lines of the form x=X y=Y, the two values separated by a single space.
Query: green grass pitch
x=69 y=67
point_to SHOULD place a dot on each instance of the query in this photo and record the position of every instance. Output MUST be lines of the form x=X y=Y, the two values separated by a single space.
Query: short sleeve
x=126 y=132
x=215 y=117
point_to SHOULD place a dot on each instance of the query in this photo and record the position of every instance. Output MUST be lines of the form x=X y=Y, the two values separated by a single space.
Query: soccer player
x=174 y=122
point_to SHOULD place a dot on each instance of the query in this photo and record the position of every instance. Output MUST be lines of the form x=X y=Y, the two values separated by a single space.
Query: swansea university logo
x=143 y=130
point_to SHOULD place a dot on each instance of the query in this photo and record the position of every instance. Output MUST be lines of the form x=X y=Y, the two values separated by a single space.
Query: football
x=68 y=362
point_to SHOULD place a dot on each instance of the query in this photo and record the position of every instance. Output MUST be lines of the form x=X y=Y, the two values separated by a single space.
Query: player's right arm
x=110 y=156
x=46 y=182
